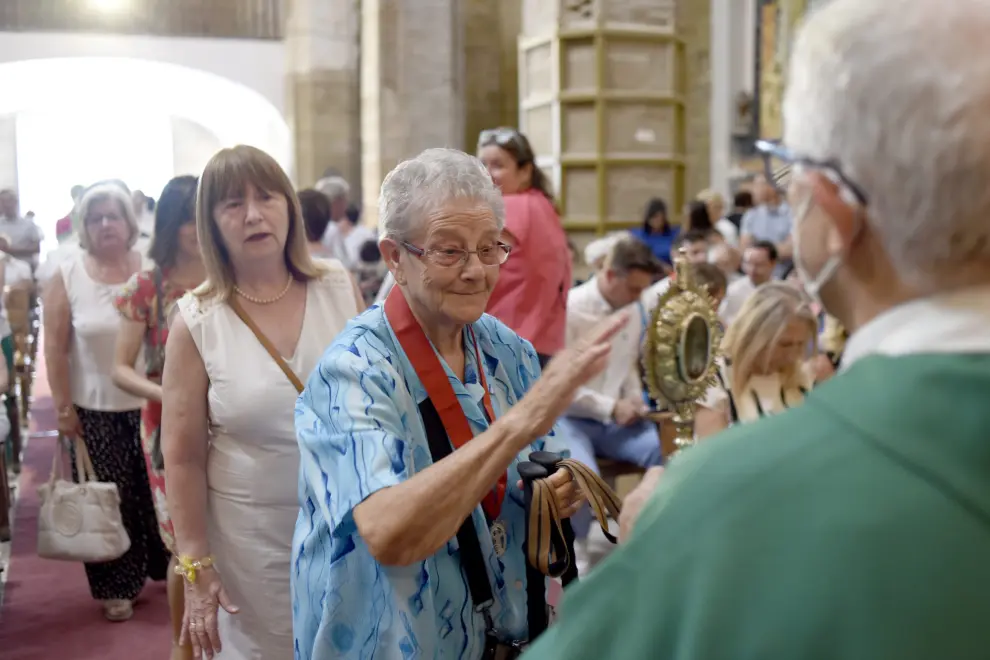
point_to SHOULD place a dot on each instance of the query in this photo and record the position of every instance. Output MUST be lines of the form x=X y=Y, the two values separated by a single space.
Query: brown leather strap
x=263 y=340
x=545 y=512
x=603 y=500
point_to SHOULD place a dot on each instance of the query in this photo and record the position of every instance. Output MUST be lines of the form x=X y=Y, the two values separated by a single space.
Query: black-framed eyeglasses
x=490 y=255
x=778 y=162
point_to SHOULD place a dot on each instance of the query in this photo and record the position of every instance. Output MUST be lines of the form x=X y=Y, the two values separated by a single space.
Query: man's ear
x=390 y=255
x=847 y=218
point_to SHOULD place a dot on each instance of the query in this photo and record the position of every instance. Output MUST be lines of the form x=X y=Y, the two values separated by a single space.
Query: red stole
x=425 y=361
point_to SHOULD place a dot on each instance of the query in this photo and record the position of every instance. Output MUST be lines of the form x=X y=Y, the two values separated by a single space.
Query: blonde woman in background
x=715 y=205
x=765 y=370
x=236 y=355
x=81 y=326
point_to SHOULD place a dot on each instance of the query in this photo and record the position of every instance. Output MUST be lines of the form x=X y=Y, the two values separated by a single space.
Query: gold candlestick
x=682 y=339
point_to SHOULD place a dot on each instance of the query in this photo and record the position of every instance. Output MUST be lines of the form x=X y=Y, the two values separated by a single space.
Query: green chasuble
x=856 y=527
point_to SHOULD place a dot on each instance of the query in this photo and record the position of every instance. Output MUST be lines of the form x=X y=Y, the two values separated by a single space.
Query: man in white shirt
x=23 y=235
x=759 y=261
x=607 y=417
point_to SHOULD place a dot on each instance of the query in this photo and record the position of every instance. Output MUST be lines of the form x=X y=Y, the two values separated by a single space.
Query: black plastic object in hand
x=547 y=459
x=536 y=602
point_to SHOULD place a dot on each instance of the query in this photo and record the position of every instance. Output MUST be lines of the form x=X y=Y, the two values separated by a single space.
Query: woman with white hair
x=81 y=326
x=411 y=430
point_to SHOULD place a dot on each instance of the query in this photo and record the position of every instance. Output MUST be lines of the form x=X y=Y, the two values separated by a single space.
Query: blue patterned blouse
x=359 y=431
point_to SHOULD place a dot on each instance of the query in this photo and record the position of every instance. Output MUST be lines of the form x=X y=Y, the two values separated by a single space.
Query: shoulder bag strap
x=472 y=560
x=263 y=340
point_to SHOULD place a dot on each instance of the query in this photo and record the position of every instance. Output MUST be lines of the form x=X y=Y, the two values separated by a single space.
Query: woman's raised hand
x=567 y=371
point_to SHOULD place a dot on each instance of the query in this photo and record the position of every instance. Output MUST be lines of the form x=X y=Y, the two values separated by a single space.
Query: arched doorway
x=82 y=119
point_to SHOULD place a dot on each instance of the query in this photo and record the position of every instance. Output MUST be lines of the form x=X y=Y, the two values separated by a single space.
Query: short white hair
x=896 y=92
x=425 y=184
x=334 y=187
x=98 y=192
x=600 y=248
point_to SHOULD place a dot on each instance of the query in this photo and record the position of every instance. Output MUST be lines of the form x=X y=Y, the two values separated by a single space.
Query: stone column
x=694 y=27
x=491 y=35
x=412 y=72
x=723 y=92
x=323 y=109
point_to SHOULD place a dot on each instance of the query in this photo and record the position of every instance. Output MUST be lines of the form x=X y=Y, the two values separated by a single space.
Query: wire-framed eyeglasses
x=779 y=163
x=489 y=255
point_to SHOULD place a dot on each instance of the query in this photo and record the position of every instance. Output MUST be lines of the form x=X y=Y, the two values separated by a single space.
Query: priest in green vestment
x=857 y=526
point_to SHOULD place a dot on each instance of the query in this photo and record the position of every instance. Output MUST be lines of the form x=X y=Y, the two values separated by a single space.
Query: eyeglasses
x=779 y=163
x=491 y=255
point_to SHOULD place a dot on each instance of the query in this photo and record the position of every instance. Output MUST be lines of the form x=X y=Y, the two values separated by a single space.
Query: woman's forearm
x=409 y=522
x=57 y=365
x=185 y=485
x=128 y=379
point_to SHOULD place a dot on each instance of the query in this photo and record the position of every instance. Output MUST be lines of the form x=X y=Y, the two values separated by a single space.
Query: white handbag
x=80 y=521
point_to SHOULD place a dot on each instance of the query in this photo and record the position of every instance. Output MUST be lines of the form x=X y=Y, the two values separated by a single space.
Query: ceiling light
x=109 y=6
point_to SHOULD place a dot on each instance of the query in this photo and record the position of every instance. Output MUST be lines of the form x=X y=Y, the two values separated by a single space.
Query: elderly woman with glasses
x=81 y=327
x=411 y=429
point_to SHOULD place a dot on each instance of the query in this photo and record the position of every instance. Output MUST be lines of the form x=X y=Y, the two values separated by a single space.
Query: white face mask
x=812 y=284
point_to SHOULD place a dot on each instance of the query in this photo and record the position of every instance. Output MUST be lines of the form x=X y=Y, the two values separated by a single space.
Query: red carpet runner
x=47 y=612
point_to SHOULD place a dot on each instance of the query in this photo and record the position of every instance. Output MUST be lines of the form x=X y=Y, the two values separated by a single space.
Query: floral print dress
x=139 y=302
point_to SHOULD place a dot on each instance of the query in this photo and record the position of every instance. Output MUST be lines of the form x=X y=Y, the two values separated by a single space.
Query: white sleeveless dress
x=253 y=460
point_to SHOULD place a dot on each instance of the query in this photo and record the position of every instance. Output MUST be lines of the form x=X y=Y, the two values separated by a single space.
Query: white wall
x=8 y=151
x=193 y=145
x=256 y=64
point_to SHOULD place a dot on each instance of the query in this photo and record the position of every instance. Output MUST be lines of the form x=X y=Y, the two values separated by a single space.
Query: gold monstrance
x=682 y=340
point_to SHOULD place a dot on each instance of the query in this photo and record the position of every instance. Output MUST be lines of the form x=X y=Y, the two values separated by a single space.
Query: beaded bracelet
x=188 y=567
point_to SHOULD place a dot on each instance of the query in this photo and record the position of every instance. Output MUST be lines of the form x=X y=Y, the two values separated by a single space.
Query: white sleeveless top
x=95 y=326
x=252 y=468
x=251 y=401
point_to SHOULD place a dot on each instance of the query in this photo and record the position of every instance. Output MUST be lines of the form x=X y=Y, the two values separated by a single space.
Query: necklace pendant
x=500 y=537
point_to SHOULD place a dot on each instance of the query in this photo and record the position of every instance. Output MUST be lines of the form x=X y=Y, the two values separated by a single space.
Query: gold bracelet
x=188 y=567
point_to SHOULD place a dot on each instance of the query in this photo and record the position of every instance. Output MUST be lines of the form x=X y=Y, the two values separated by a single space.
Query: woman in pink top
x=531 y=294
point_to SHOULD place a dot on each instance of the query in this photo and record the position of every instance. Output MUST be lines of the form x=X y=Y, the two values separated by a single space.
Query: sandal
x=118 y=610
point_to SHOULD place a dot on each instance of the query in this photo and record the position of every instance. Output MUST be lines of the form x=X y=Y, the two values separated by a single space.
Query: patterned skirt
x=113 y=445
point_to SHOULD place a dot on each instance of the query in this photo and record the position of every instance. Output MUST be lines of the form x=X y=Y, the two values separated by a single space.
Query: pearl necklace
x=265 y=301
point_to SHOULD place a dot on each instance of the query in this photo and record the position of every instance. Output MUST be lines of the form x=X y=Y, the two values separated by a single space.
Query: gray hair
x=334 y=187
x=99 y=192
x=896 y=92
x=422 y=185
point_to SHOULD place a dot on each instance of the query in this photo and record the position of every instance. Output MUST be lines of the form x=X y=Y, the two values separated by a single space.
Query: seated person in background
x=759 y=261
x=607 y=417
x=769 y=221
x=727 y=258
x=715 y=205
x=708 y=276
x=657 y=231
x=597 y=250
x=695 y=244
x=742 y=201
x=765 y=369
